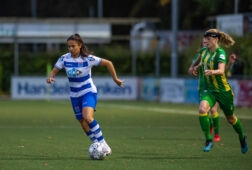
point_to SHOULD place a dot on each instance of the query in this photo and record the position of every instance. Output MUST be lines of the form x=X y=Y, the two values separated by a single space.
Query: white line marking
x=162 y=110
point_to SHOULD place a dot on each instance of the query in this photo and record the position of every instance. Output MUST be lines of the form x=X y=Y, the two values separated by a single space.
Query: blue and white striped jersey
x=78 y=71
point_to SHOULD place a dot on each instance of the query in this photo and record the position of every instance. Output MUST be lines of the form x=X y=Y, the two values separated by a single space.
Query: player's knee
x=81 y=120
x=202 y=110
x=230 y=119
x=88 y=118
x=213 y=111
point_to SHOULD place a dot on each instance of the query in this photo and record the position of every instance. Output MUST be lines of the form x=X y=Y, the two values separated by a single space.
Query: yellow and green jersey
x=210 y=61
x=200 y=74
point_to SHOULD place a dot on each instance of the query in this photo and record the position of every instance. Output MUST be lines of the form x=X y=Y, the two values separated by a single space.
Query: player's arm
x=52 y=75
x=219 y=71
x=112 y=71
x=192 y=68
x=231 y=61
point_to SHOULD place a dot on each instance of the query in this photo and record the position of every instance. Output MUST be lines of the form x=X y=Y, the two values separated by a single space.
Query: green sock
x=216 y=122
x=238 y=128
x=210 y=121
x=205 y=125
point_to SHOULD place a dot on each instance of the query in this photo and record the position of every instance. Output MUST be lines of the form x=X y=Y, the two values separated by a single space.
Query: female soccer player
x=78 y=63
x=213 y=60
x=214 y=119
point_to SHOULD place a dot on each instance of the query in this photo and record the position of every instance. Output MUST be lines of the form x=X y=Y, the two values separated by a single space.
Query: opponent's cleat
x=211 y=130
x=217 y=138
x=208 y=146
x=244 y=145
x=106 y=149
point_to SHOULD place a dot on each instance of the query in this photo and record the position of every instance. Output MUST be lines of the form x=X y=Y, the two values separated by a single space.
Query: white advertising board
x=107 y=89
x=236 y=88
x=230 y=24
x=37 y=88
x=172 y=90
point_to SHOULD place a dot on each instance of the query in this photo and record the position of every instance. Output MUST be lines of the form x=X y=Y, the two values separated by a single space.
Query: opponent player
x=213 y=60
x=78 y=63
x=214 y=120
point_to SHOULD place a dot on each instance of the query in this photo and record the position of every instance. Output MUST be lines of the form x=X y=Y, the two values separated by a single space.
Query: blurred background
x=151 y=43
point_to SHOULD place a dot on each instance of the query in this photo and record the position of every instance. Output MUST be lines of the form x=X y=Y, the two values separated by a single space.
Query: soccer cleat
x=106 y=149
x=244 y=145
x=211 y=130
x=217 y=138
x=208 y=146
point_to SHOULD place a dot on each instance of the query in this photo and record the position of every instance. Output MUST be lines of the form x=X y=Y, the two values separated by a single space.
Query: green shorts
x=201 y=94
x=225 y=100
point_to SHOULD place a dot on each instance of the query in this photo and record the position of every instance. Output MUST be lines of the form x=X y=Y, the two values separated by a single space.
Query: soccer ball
x=95 y=151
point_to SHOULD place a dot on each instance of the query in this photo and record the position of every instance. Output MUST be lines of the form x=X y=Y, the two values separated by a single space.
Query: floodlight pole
x=134 y=40
x=236 y=4
x=100 y=8
x=157 y=71
x=34 y=15
x=34 y=8
x=16 y=53
x=16 y=58
x=174 y=52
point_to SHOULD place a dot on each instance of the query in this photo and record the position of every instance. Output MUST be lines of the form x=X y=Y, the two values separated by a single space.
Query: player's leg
x=88 y=107
x=87 y=130
x=77 y=107
x=216 y=121
x=226 y=100
x=93 y=125
x=205 y=124
x=203 y=94
x=235 y=122
x=207 y=101
x=95 y=128
x=211 y=124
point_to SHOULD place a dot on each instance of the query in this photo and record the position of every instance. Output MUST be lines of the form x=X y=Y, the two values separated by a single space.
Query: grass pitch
x=45 y=135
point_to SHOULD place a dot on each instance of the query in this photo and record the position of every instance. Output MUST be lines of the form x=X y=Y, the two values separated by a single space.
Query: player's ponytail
x=84 y=52
x=223 y=37
x=226 y=39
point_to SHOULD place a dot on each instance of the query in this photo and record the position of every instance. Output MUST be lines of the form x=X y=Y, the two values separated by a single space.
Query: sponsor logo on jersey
x=73 y=72
x=222 y=56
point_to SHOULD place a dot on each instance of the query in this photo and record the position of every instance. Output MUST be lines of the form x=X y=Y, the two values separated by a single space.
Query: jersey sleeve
x=94 y=60
x=221 y=57
x=195 y=57
x=60 y=63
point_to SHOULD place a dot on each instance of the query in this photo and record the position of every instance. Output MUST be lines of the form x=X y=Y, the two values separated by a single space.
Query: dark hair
x=83 y=50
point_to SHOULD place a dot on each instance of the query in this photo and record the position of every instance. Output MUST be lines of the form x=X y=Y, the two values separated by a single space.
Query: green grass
x=45 y=135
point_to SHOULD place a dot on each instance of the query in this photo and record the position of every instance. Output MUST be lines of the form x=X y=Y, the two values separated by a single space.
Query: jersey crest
x=73 y=72
x=90 y=58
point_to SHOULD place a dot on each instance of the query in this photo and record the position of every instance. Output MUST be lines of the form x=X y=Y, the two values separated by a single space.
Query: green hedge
x=35 y=63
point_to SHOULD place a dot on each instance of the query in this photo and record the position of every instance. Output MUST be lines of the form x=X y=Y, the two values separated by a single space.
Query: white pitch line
x=161 y=110
x=151 y=109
